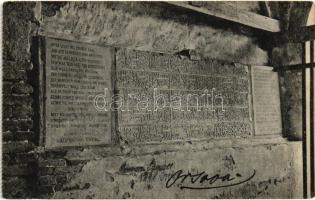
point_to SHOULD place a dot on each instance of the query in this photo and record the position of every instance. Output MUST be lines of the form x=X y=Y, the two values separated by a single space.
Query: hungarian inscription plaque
x=172 y=98
x=74 y=74
x=266 y=98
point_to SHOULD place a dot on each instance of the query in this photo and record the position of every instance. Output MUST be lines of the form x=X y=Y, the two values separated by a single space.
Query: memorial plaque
x=266 y=98
x=186 y=99
x=75 y=73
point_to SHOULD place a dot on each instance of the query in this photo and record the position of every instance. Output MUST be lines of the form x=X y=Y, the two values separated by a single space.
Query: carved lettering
x=75 y=73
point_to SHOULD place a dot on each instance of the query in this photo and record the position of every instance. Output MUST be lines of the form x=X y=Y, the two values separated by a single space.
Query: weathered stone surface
x=14 y=147
x=15 y=188
x=7 y=87
x=17 y=125
x=18 y=135
x=25 y=157
x=13 y=74
x=291 y=89
x=146 y=176
x=25 y=125
x=52 y=163
x=251 y=6
x=22 y=111
x=182 y=99
x=146 y=26
x=47 y=180
x=287 y=54
x=17 y=170
x=18 y=100
x=46 y=170
x=22 y=88
x=7 y=111
x=10 y=125
x=16 y=28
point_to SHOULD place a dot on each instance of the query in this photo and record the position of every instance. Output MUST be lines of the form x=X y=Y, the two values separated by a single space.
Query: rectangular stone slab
x=74 y=74
x=173 y=77
x=266 y=100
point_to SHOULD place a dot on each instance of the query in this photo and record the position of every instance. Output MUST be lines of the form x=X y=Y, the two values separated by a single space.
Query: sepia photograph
x=157 y=99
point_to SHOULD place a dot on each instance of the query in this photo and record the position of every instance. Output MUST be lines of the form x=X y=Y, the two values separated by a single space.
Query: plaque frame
x=38 y=49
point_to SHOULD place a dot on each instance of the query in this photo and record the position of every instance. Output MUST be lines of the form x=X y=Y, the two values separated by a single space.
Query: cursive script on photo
x=202 y=180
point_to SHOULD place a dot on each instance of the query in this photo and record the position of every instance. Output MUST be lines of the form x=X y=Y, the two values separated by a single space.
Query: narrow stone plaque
x=74 y=74
x=266 y=99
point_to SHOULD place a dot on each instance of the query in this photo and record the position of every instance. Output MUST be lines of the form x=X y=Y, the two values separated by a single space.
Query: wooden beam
x=231 y=13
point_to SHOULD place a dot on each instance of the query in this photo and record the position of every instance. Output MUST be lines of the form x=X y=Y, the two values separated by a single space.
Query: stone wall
x=124 y=170
x=143 y=172
x=17 y=111
x=153 y=27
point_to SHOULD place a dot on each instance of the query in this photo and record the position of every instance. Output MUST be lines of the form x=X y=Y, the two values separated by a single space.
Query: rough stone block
x=52 y=163
x=17 y=100
x=45 y=190
x=61 y=170
x=8 y=136
x=14 y=125
x=9 y=125
x=47 y=180
x=25 y=157
x=18 y=135
x=13 y=71
x=17 y=170
x=25 y=125
x=14 y=147
x=14 y=188
x=46 y=171
x=22 y=111
x=67 y=169
x=22 y=88
x=7 y=87
x=61 y=179
x=6 y=111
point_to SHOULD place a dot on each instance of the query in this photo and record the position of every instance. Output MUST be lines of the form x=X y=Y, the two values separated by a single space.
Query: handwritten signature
x=199 y=178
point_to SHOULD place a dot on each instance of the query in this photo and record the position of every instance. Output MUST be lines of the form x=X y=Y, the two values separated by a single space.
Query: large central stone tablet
x=170 y=98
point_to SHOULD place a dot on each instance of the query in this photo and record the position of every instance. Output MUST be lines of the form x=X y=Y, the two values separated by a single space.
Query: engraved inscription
x=266 y=99
x=194 y=93
x=74 y=74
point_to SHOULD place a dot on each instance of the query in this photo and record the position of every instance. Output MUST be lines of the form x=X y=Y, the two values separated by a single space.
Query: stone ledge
x=101 y=151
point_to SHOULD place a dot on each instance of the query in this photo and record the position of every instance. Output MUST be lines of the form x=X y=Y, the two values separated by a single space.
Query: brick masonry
x=17 y=122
